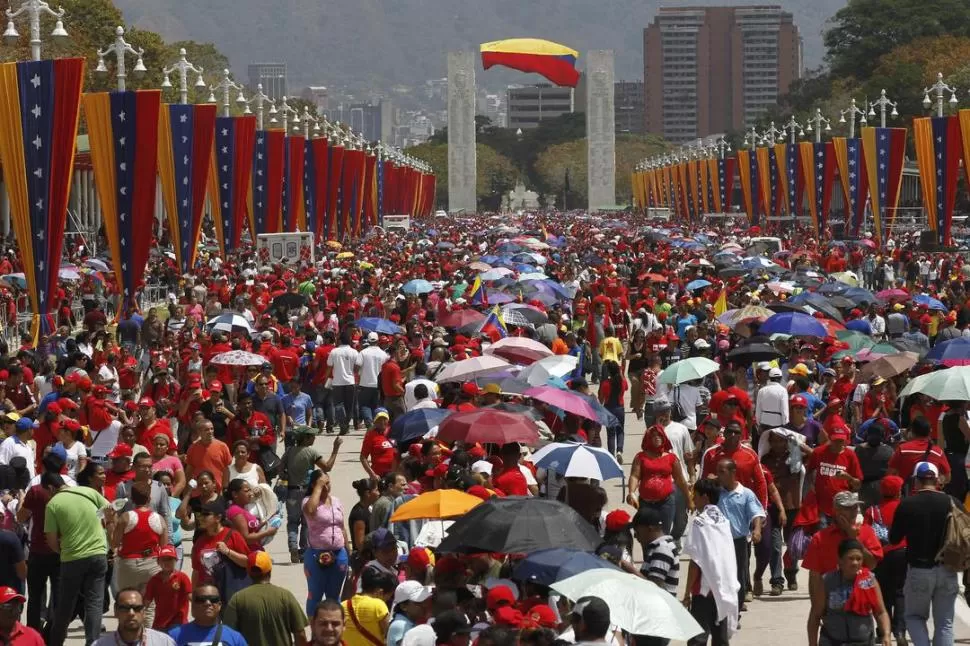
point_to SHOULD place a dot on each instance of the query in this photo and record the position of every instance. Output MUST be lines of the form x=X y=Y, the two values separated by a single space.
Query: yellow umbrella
x=343 y=255
x=333 y=244
x=363 y=264
x=440 y=503
x=847 y=277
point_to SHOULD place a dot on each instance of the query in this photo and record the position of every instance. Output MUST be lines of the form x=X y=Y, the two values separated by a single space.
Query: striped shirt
x=661 y=563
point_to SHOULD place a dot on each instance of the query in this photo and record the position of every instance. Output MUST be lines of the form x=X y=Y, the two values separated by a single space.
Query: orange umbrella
x=440 y=503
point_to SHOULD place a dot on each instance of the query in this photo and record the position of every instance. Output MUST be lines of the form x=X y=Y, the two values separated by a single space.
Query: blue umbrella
x=496 y=297
x=550 y=566
x=381 y=326
x=603 y=416
x=859 y=295
x=698 y=284
x=792 y=324
x=573 y=460
x=414 y=424
x=930 y=302
x=955 y=352
x=417 y=286
x=859 y=325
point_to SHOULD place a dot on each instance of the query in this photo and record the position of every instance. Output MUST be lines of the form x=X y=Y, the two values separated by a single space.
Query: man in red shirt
x=845 y=384
x=250 y=425
x=392 y=385
x=729 y=390
x=918 y=449
x=149 y=425
x=877 y=402
x=379 y=447
x=836 y=469
x=46 y=432
x=749 y=471
x=510 y=480
x=286 y=362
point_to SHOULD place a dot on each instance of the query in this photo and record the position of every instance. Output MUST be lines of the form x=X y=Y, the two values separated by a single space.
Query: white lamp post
x=816 y=123
x=853 y=112
x=260 y=99
x=226 y=85
x=119 y=48
x=883 y=102
x=183 y=67
x=939 y=88
x=33 y=9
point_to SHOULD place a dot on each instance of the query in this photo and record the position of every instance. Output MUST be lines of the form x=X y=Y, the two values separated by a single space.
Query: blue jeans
x=368 y=400
x=926 y=587
x=667 y=508
x=323 y=582
x=295 y=523
x=81 y=578
x=614 y=436
x=344 y=406
x=323 y=405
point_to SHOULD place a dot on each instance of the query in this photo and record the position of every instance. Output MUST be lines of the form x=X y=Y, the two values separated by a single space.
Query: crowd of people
x=149 y=458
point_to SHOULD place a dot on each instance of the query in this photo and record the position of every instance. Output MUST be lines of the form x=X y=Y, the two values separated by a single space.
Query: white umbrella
x=688 y=370
x=558 y=365
x=572 y=460
x=470 y=369
x=230 y=323
x=238 y=358
x=637 y=605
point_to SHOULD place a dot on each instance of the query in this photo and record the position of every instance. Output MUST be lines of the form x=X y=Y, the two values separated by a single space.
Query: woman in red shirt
x=215 y=542
x=138 y=536
x=378 y=447
x=656 y=469
x=611 y=394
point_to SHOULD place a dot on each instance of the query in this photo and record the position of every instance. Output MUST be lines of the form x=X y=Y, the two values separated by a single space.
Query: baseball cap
x=798 y=400
x=647 y=517
x=422 y=635
x=890 y=486
x=925 y=471
x=381 y=537
x=592 y=610
x=120 y=451
x=846 y=499
x=420 y=558
x=303 y=429
x=168 y=552
x=878 y=381
x=266 y=335
x=702 y=344
x=25 y=424
x=8 y=595
x=764 y=365
x=147 y=402
x=449 y=623
x=53 y=408
x=774 y=373
x=482 y=466
x=59 y=450
x=215 y=386
x=381 y=412
x=260 y=561
x=799 y=369
x=839 y=433
x=493 y=389
x=411 y=591
x=543 y=615
x=497 y=596
x=471 y=389
x=10 y=417
x=617 y=520
x=508 y=616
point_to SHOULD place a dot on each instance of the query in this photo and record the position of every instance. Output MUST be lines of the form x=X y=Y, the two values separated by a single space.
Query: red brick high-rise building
x=709 y=70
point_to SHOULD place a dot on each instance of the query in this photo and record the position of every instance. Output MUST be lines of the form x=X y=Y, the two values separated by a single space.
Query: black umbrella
x=752 y=353
x=288 y=301
x=908 y=345
x=782 y=306
x=520 y=525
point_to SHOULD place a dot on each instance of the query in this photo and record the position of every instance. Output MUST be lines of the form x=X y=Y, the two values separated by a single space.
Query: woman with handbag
x=325 y=560
x=253 y=530
x=138 y=536
x=891 y=570
x=367 y=615
x=214 y=542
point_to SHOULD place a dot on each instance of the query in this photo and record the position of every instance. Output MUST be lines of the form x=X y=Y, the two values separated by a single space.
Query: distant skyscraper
x=374 y=121
x=715 y=69
x=628 y=107
x=272 y=76
x=527 y=106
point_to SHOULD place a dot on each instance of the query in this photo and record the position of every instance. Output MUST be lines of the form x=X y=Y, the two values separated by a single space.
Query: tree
x=865 y=30
x=496 y=175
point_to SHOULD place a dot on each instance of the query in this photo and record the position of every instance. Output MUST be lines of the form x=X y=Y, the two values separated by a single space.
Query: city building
x=318 y=96
x=272 y=76
x=528 y=105
x=491 y=106
x=628 y=107
x=716 y=69
x=374 y=121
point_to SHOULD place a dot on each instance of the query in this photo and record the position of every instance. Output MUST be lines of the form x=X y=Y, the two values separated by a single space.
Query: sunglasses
x=12 y=606
x=207 y=598
x=126 y=608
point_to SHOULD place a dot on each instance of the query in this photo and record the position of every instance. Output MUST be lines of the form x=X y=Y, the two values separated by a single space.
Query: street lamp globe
x=11 y=34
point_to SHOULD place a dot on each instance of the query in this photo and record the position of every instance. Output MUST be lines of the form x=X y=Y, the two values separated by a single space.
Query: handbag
x=879 y=526
x=271 y=463
x=798 y=543
x=229 y=577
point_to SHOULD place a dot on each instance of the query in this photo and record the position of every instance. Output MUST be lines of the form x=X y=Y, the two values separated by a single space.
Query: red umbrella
x=488 y=425
x=893 y=294
x=461 y=318
x=520 y=350
x=653 y=278
x=831 y=326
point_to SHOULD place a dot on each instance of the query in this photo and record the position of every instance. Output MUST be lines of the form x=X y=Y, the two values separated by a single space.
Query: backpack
x=954 y=554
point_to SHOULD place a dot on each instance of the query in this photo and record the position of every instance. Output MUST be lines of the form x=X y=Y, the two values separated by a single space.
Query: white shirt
x=771 y=408
x=343 y=359
x=372 y=358
x=424 y=403
x=13 y=447
x=410 y=401
x=74 y=454
x=689 y=398
x=681 y=444
x=109 y=374
x=878 y=325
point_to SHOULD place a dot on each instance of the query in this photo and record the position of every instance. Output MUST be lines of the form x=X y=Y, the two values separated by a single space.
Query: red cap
x=73 y=378
x=617 y=520
x=508 y=616
x=9 y=594
x=415 y=450
x=147 y=402
x=798 y=400
x=418 y=559
x=450 y=565
x=120 y=451
x=215 y=386
x=168 y=552
x=101 y=390
x=890 y=486
x=54 y=409
x=839 y=433
x=131 y=406
x=479 y=492
x=543 y=615
x=471 y=389
x=84 y=383
x=71 y=424
x=58 y=381
x=477 y=452
x=498 y=596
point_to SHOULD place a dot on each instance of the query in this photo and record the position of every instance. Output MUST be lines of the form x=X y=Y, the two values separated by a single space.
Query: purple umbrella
x=564 y=399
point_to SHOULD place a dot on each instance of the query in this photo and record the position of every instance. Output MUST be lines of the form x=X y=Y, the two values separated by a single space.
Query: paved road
x=771 y=620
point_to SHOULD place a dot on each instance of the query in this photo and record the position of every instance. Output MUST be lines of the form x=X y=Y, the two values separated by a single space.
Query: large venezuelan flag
x=554 y=61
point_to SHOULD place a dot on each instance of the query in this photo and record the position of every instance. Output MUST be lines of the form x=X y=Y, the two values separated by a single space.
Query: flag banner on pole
x=939 y=148
x=334 y=228
x=361 y=198
x=370 y=191
x=635 y=186
x=781 y=171
x=725 y=182
x=348 y=187
x=233 y=161
x=885 y=152
x=748 y=174
x=680 y=176
x=39 y=112
x=707 y=195
x=381 y=179
x=429 y=193
x=818 y=171
x=294 y=216
x=315 y=185
x=692 y=190
x=855 y=184
x=964 y=117
x=793 y=180
x=763 y=163
x=185 y=143
x=268 y=166
x=124 y=130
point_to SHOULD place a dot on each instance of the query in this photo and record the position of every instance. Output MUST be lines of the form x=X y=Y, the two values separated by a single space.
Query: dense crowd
x=150 y=457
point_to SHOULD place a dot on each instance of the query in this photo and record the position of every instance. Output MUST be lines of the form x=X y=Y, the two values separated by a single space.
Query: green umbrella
x=688 y=370
x=856 y=340
x=952 y=384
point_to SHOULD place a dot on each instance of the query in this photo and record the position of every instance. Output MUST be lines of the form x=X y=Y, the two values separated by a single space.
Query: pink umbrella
x=488 y=425
x=564 y=399
x=519 y=350
x=893 y=294
x=461 y=318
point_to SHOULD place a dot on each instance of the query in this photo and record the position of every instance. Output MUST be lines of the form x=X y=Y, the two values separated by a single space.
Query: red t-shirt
x=286 y=364
x=885 y=515
x=35 y=501
x=258 y=427
x=827 y=465
x=391 y=379
x=511 y=482
x=656 y=476
x=908 y=454
x=381 y=451
x=205 y=544
x=320 y=355
x=44 y=435
x=171 y=595
x=749 y=472
x=146 y=436
x=823 y=552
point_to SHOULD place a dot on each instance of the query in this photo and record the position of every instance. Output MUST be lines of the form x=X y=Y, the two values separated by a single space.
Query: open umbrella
x=793 y=324
x=238 y=358
x=952 y=384
x=345 y=255
x=562 y=399
x=545 y=567
x=930 y=302
x=572 y=460
x=520 y=525
x=469 y=369
x=519 y=350
x=890 y=366
x=437 y=504
x=95 y=263
x=229 y=323
x=752 y=353
x=540 y=372
x=288 y=301
x=487 y=425
x=461 y=318
x=697 y=284
x=688 y=370
x=637 y=605
x=417 y=286
x=893 y=295
x=381 y=326
x=955 y=352
x=415 y=424
x=530 y=313
x=751 y=313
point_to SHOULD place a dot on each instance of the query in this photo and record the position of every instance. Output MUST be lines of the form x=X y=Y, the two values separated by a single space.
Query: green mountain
x=386 y=42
